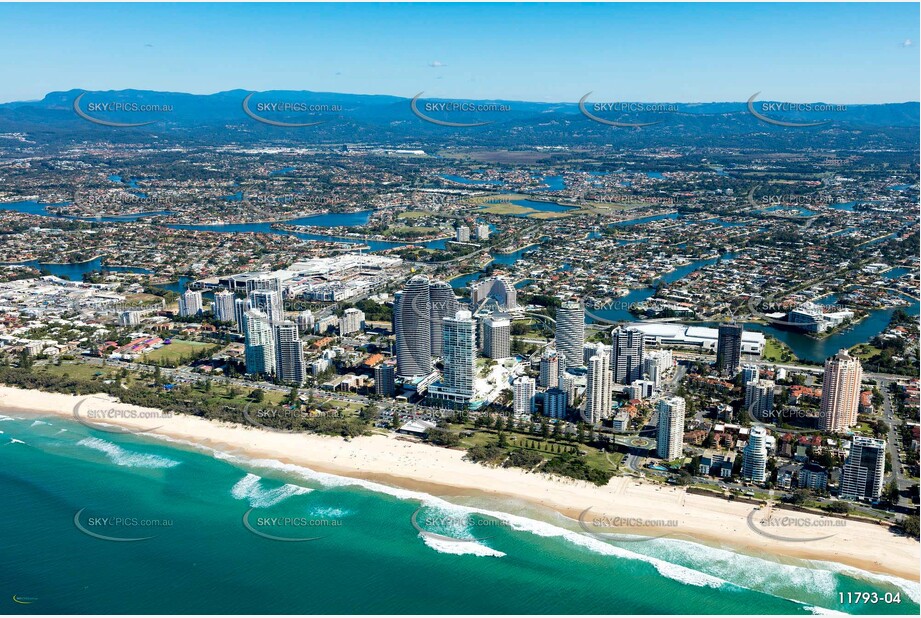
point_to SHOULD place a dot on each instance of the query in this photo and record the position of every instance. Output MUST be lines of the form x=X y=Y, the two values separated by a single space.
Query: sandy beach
x=404 y=463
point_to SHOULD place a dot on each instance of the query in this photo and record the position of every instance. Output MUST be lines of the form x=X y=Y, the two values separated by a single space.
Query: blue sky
x=842 y=53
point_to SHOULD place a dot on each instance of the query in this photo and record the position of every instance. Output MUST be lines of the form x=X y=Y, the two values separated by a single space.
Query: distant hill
x=359 y=118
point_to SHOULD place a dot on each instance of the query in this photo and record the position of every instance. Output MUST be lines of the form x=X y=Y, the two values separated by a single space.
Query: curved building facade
x=412 y=328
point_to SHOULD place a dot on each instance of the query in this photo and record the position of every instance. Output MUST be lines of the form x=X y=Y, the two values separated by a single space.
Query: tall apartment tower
x=840 y=392
x=570 y=331
x=290 y=367
x=864 y=469
x=627 y=355
x=224 y=307
x=412 y=328
x=190 y=303
x=268 y=302
x=384 y=382
x=670 y=431
x=754 y=456
x=598 y=388
x=459 y=352
x=497 y=336
x=555 y=403
x=260 y=343
x=523 y=395
x=750 y=373
x=442 y=304
x=759 y=399
x=550 y=369
x=240 y=307
x=729 y=348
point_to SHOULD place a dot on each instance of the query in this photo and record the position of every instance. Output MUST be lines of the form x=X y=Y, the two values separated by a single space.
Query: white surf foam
x=37 y=423
x=122 y=457
x=472 y=548
x=15 y=441
x=249 y=488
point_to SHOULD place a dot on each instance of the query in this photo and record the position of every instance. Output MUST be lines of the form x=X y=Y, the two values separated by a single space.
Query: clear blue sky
x=842 y=53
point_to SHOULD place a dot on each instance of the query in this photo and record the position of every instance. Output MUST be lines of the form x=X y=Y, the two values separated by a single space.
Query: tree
x=395 y=420
x=257 y=395
x=891 y=493
x=293 y=396
x=544 y=429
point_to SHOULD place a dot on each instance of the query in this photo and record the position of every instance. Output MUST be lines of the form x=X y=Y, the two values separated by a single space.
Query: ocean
x=96 y=522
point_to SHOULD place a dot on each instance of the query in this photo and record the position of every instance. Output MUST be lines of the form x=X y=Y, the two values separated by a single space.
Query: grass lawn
x=414 y=214
x=174 y=351
x=774 y=351
x=864 y=351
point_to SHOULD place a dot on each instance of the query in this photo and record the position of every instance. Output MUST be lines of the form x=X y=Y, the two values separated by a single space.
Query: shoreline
x=407 y=464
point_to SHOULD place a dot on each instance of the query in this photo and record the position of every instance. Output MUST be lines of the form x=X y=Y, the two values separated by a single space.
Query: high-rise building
x=497 y=333
x=550 y=369
x=289 y=354
x=570 y=331
x=754 y=456
x=759 y=399
x=129 y=318
x=268 y=302
x=264 y=282
x=568 y=385
x=641 y=389
x=240 y=307
x=224 y=307
x=840 y=392
x=670 y=430
x=655 y=365
x=729 y=348
x=523 y=395
x=352 y=321
x=864 y=469
x=412 y=328
x=598 y=388
x=750 y=373
x=259 y=342
x=627 y=348
x=463 y=233
x=384 y=380
x=459 y=353
x=555 y=403
x=442 y=304
x=305 y=322
x=190 y=303
x=498 y=288
x=482 y=232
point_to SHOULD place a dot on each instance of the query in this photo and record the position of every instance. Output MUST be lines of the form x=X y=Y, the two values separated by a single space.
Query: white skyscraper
x=442 y=304
x=864 y=469
x=750 y=373
x=224 y=306
x=268 y=302
x=190 y=303
x=570 y=331
x=523 y=391
x=412 y=328
x=670 y=430
x=463 y=233
x=550 y=369
x=459 y=353
x=290 y=367
x=305 y=322
x=352 y=321
x=260 y=343
x=499 y=288
x=840 y=392
x=754 y=456
x=598 y=388
x=482 y=232
x=656 y=364
x=759 y=399
x=497 y=332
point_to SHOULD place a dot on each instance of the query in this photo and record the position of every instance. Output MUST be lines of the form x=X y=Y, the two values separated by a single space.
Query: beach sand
x=405 y=463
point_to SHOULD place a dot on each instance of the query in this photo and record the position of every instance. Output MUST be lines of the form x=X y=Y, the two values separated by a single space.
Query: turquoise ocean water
x=62 y=483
